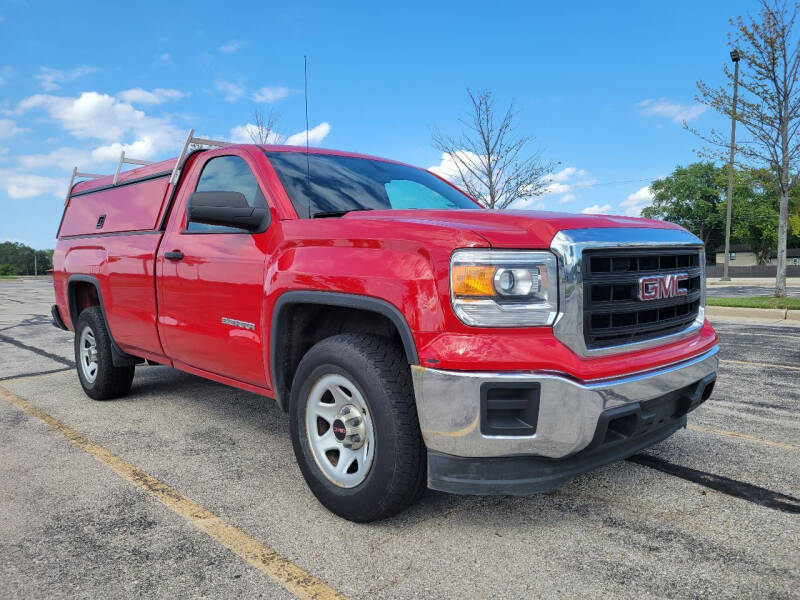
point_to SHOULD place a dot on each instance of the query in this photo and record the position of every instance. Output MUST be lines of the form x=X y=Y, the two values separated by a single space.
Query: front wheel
x=354 y=427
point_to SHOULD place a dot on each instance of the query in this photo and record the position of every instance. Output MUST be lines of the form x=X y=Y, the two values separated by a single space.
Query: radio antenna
x=308 y=162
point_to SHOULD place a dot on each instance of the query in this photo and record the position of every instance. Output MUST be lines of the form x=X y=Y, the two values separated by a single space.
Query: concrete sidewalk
x=756 y=281
x=763 y=314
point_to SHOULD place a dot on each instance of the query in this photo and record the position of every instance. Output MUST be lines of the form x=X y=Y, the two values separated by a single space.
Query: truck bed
x=109 y=235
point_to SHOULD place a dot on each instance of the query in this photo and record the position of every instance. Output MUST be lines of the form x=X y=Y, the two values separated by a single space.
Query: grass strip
x=755 y=302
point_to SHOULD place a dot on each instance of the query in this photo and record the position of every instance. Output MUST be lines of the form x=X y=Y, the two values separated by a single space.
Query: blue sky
x=602 y=86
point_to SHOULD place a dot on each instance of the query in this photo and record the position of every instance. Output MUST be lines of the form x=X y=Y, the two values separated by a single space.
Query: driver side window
x=227 y=174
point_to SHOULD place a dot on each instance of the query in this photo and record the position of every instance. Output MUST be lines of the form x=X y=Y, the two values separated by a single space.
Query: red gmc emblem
x=657 y=287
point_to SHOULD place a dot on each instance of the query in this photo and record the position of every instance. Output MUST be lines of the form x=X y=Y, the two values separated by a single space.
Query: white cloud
x=566 y=181
x=64 y=158
x=232 y=91
x=99 y=116
x=315 y=135
x=156 y=96
x=447 y=165
x=90 y=116
x=231 y=46
x=24 y=185
x=557 y=188
x=567 y=173
x=145 y=147
x=271 y=94
x=670 y=110
x=51 y=79
x=532 y=203
x=596 y=209
x=102 y=118
x=95 y=115
x=632 y=206
x=241 y=135
x=9 y=128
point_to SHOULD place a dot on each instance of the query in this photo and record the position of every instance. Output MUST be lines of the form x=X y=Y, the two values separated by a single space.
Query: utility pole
x=35 y=268
x=735 y=58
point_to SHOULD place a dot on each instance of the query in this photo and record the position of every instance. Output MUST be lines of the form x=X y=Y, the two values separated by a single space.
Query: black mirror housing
x=229 y=209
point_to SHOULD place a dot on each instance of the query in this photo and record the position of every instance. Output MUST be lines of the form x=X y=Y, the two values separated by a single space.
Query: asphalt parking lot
x=187 y=488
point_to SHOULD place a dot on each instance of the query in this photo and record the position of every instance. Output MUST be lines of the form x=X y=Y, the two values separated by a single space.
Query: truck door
x=211 y=278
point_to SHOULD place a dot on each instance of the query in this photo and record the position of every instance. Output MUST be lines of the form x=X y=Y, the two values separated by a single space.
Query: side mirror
x=229 y=209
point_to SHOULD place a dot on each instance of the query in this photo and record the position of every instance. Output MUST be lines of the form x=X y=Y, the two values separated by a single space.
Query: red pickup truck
x=413 y=337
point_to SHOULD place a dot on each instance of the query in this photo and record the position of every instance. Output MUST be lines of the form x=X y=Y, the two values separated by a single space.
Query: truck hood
x=506 y=228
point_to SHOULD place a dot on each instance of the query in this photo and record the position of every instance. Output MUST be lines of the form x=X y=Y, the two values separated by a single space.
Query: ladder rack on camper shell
x=176 y=170
x=130 y=161
x=191 y=140
x=122 y=160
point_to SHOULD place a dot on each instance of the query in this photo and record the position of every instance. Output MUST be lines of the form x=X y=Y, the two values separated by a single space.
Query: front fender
x=407 y=279
x=399 y=284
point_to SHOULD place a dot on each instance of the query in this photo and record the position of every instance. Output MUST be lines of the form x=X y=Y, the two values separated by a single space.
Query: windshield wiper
x=322 y=214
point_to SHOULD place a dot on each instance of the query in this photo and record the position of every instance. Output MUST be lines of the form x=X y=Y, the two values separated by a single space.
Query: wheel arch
x=283 y=358
x=84 y=291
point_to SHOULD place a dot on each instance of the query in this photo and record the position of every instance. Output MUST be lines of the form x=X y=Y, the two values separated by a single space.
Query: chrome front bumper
x=448 y=404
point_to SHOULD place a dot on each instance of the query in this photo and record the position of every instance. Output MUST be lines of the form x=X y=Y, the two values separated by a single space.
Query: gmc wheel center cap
x=339 y=429
x=348 y=427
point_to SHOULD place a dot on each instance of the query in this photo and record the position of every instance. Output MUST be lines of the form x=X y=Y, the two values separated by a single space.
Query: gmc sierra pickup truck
x=414 y=338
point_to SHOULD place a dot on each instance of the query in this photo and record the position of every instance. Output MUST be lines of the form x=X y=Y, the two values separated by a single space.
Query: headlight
x=504 y=288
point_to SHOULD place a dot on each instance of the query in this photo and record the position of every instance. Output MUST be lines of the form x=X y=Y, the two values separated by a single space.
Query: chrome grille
x=614 y=315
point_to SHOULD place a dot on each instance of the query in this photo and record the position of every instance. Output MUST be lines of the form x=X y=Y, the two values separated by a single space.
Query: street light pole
x=735 y=58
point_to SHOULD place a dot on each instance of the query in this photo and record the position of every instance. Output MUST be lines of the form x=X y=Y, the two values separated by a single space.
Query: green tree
x=768 y=107
x=756 y=212
x=19 y=259
x=755 y=215
x=691 y=197
x=695 y=198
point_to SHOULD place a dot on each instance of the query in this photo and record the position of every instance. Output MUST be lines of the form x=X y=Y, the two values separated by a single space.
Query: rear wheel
x=99 y=377
x=354 y=427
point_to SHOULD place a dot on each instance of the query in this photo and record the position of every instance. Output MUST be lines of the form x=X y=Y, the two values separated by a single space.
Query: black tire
x=380 y=371
x=110 y=381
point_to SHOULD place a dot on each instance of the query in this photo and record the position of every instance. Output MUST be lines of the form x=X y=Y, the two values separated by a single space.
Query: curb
x=781 y=314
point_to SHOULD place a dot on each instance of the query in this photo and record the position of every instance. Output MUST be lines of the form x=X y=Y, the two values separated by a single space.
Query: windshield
x=337 y=184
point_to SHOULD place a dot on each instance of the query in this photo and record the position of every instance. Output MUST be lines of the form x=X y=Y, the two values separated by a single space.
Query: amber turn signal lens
x=473 y=280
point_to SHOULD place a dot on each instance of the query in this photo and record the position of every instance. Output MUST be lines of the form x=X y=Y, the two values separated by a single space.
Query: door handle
x=174 y=255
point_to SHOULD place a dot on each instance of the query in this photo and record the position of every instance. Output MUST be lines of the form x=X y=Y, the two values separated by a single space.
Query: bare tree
x=492 y=163
x=264 y=130
x=769 y=107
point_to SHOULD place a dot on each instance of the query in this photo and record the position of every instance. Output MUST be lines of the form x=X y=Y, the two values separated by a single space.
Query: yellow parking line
x=758 y=364
x=743 y=436
x=295 y=579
